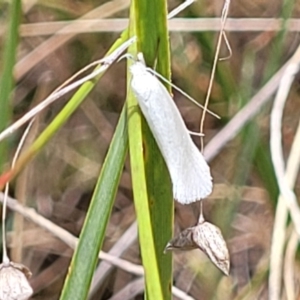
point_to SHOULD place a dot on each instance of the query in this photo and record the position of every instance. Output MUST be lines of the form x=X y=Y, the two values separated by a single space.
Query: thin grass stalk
x=6 y=80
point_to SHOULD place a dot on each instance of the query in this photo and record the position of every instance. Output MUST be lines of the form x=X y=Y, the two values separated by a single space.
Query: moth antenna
x=127 y=56
x=182 y=92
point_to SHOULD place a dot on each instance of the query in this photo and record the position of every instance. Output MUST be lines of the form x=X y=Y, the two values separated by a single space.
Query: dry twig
x=285 y=180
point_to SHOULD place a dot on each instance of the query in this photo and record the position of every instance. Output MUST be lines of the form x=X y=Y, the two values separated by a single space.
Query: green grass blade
x=93 y=232
x=151 y=183
x=6 y=82
x=58 y=122
x=142 y=205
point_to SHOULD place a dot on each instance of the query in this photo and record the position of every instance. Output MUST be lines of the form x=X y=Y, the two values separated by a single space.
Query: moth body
x=190 y=174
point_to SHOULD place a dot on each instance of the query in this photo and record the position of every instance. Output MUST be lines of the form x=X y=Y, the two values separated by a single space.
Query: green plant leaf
x=6 y=81
x=93 y=232
x=151 y=183
x=58 y=121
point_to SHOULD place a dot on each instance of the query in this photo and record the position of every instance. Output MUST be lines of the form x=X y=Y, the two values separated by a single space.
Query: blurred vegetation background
x=59 y=182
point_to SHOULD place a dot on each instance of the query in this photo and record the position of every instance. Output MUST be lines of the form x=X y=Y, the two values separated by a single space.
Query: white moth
x=190 y=174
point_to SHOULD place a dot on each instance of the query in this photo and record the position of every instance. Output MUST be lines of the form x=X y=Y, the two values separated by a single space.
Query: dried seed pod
x=184 y=241
x=13 y=282
x=209 y=239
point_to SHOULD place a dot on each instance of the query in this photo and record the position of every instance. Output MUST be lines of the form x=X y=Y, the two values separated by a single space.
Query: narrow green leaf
x=58 y=122
x=142 y=204
x=6 y=82
x=93 y=232
x=151 y=183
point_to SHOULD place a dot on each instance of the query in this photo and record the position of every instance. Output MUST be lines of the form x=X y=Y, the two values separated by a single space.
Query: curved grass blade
x=58 y=122
x=93 y=232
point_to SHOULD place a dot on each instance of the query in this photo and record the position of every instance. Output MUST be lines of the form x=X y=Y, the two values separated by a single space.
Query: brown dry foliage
x=59 y=182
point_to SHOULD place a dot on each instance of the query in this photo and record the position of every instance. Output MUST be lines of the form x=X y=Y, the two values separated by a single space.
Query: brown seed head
x=209 y=239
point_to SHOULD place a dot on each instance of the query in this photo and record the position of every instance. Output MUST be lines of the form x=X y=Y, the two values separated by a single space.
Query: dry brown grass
x=59 y=182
